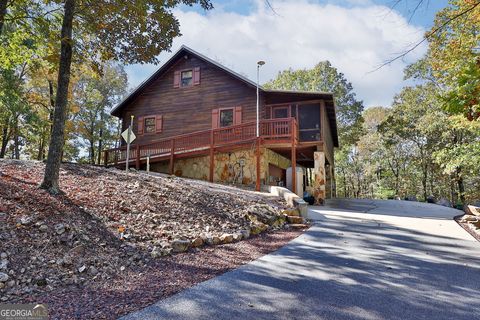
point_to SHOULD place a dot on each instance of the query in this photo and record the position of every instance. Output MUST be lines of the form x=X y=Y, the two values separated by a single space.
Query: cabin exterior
x=195 y=118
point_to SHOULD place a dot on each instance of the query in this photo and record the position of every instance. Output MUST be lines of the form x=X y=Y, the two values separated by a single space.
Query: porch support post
x=294 y=158
x=210 y=178
x=319 y=178
x=137 y=162
x=258 y=155
x=172 y=155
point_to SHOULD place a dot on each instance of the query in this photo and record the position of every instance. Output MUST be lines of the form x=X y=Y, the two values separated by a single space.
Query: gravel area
x=136 y=289
x=104 y=247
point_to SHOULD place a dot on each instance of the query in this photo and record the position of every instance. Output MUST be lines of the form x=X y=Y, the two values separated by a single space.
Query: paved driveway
x=362 y=259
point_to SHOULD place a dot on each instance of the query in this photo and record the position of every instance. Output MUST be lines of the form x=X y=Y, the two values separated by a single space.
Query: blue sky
x=355 y=35
x=424 y=14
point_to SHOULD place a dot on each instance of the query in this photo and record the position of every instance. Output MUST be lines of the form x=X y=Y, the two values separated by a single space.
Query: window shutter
x=215 y=113
x=140 y=126
x=237 y=118
x=158 y=124
x=196 y=76
x=176 y=79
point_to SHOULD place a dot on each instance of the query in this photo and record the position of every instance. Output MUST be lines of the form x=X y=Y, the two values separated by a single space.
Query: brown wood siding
x=189 y=109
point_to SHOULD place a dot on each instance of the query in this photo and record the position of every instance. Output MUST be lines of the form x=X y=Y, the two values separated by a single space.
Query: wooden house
x=196 y=118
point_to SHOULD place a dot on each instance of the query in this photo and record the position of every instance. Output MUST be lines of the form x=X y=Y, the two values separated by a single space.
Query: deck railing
x=271 y=131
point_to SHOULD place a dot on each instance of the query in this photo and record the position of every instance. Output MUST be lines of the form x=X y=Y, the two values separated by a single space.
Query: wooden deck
x=272 y=132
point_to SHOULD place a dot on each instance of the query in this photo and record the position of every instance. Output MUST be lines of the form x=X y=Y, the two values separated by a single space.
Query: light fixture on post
x=258 y=141
x=259 y=64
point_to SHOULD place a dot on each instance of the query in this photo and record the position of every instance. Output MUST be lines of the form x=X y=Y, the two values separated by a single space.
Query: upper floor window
x=149 y=125
x=186 y=78
x=226 y=117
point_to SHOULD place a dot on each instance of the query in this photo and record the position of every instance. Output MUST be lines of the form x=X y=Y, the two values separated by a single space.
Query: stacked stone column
x=319 y=192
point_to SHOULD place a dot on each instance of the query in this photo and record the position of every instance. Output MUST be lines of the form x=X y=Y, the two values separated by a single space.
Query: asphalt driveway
x=362 y=259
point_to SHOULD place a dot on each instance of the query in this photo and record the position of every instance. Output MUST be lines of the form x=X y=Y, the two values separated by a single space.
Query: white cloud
x=356 y=40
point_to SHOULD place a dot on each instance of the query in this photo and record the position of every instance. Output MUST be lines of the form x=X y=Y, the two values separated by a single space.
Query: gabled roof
x=170 y=62
x=186 y=50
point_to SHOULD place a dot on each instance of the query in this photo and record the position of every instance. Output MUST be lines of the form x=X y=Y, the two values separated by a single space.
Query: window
x=226 y=117
x=149 y=125
x=186 y=78
x=280 y=112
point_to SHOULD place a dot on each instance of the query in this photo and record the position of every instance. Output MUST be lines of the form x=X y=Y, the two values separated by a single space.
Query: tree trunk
x=3 y=12
x=424 y=183
x=92 y=151
x=344 y=184
x=57 y=139
x=52 y=103
x=397 y=185
x=100 y=138
x=5 y=138
x=453 y=194
x=16 y=139
x=461 y=186
x=432 y=183
x=41 y=146
x=118 y=142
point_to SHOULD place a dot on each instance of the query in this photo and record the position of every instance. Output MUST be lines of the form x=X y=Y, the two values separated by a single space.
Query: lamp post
x=257 y=185
x=259 y=64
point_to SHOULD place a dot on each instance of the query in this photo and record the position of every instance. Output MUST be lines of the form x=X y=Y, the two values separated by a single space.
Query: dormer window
x=186 y=78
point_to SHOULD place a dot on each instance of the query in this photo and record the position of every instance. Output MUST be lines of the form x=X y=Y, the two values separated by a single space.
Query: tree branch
x=428 y=36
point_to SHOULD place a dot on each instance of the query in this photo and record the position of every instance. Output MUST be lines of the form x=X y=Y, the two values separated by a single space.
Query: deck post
x=294 y=158
x=137 y=162
x=105 y=158
x=172 y=154
x=212 y=144
x=258 y=155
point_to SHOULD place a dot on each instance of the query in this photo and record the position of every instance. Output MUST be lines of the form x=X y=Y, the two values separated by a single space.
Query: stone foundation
x=236 y=167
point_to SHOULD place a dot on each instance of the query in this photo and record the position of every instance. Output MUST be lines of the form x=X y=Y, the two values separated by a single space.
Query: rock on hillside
x=108 y=222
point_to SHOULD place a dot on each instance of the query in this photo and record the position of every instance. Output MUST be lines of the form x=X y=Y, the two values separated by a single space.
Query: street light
x=259 y=64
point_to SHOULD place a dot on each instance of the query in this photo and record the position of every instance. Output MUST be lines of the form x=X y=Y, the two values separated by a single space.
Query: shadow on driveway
x=346 y=267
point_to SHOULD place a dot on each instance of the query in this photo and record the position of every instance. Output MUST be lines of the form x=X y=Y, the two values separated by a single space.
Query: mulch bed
x=162 y=278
